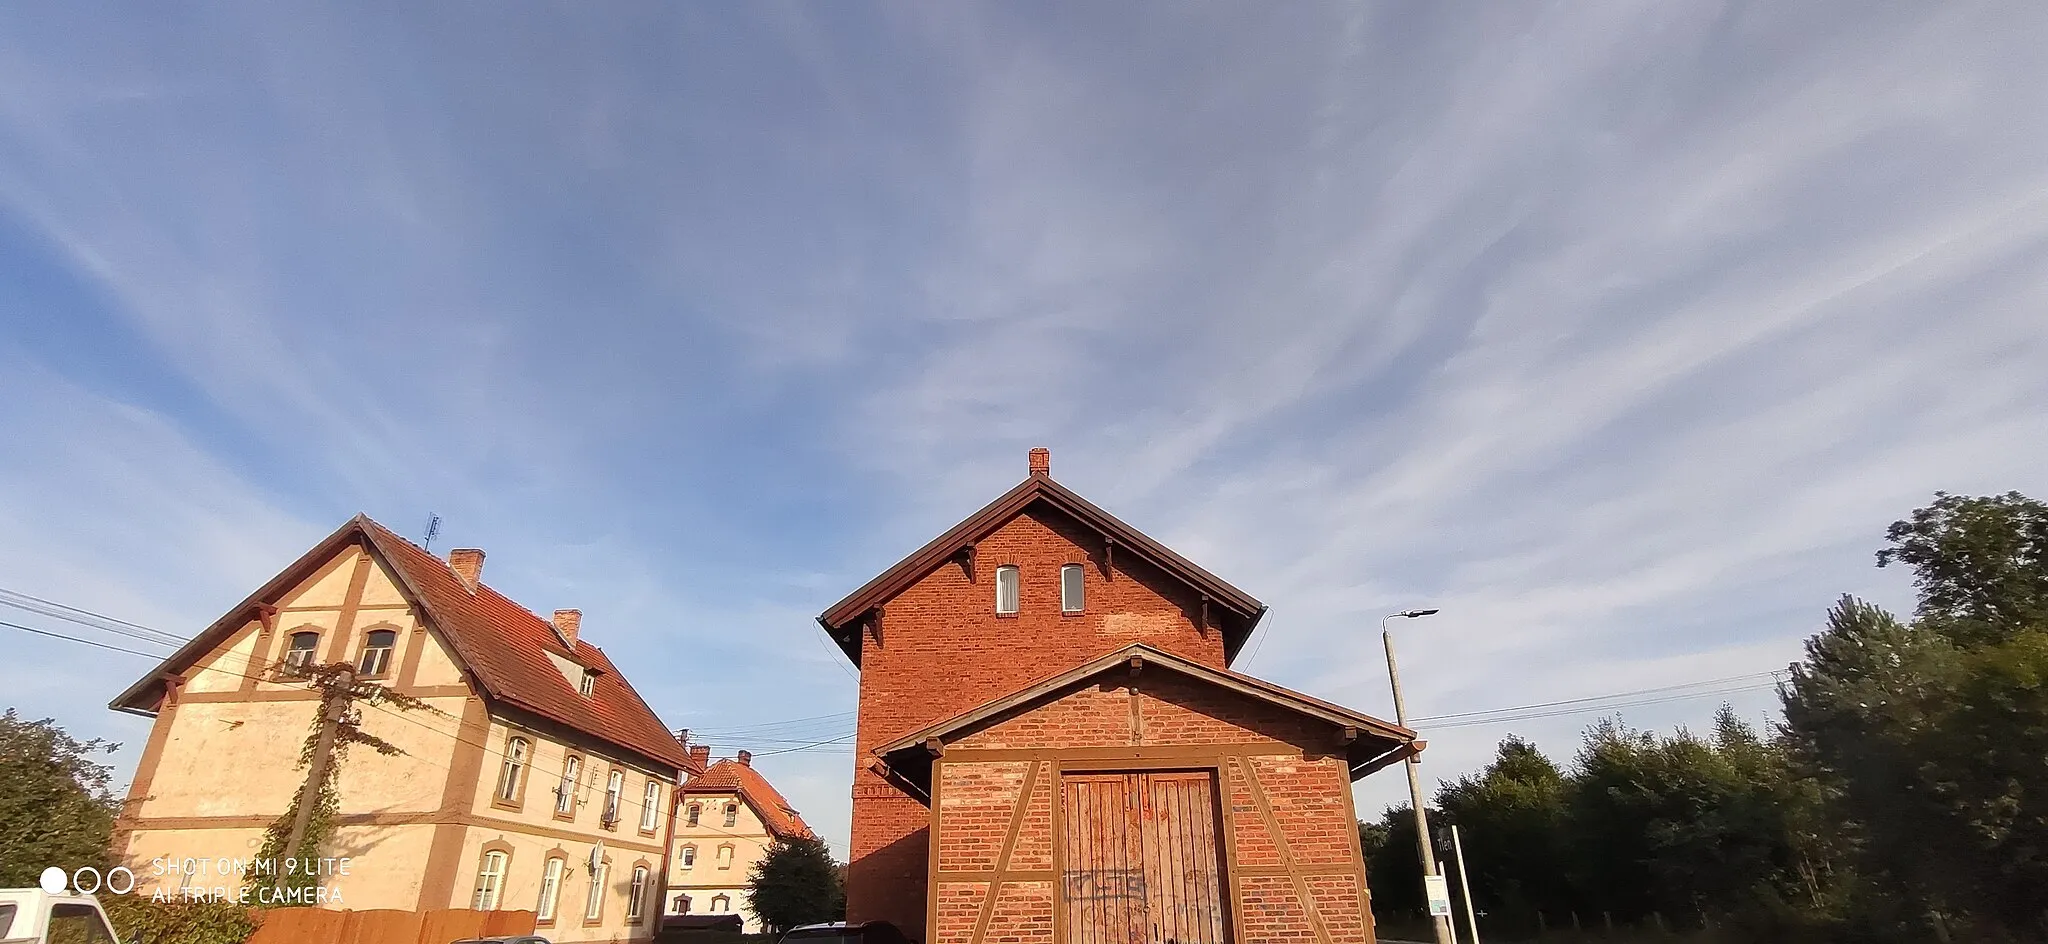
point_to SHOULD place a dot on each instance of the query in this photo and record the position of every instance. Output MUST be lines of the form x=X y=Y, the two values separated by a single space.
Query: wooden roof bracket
x=267 y=615
x=874 y=625
x=1108 y=558
x=1137 y=662
x=1202 y=628
x=935 y=747
x=967 y=561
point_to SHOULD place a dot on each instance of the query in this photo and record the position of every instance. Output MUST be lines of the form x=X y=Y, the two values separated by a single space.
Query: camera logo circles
x=88 y=881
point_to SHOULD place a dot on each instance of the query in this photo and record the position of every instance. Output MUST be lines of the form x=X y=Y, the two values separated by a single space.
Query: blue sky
x=1617 y=330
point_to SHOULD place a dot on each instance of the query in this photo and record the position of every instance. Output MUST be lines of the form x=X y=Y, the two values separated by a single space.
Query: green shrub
x=179 y=922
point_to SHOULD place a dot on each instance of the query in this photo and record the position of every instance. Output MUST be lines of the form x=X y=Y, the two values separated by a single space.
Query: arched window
x=1071 y=588
x=300 y=653
x=689 y=857
x=721 y=904
x=682 y=905
x=377 y=652
x=550 y=890
x=696 y=811
x=636 y=894
x=613 y=787
x=594 y=909
x=725 y=857
x=514 y=768
x=732 y=815
x=490 y=880
x=565 y=792
x=650 y=804
x=1006 y=588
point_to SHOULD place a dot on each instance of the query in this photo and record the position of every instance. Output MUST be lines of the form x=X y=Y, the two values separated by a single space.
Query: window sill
x=1002 y=615
x=514 y=806
x=649 y=833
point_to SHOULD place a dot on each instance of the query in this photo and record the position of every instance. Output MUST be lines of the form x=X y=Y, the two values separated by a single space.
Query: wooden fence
x=322 y=926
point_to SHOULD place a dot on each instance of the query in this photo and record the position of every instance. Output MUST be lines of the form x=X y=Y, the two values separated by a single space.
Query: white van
x=34 y=916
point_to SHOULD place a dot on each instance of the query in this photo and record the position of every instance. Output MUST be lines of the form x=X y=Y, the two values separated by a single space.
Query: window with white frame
x=689 y=857
x=550 y=890
x=1006 y=588
x=377 y=652
x=650 y=804
x=1071 y=588
x=565 y=792
x=732 y=815
x=636 y=894
x=587 y=684
x=490 y=881
x=613 y=789
x=299 y=653
x=594 y=909
x=513 y=768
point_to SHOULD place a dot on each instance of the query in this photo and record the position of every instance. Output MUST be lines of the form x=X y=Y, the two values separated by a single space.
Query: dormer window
x=587 y=684
x=1006 y=589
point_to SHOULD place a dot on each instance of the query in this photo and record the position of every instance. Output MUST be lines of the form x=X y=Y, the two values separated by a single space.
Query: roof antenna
x=433 y=528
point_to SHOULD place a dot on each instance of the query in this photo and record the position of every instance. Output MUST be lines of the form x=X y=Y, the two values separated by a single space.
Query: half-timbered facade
x=534 y=779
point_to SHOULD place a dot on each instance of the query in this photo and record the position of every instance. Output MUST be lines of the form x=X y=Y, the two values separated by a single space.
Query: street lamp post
x=1441 y=922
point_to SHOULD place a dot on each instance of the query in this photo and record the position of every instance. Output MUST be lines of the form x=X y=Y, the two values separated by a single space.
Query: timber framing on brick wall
x=1284 y=844
x=1289 y=861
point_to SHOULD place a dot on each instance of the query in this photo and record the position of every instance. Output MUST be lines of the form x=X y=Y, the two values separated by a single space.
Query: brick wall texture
x=1284 y=799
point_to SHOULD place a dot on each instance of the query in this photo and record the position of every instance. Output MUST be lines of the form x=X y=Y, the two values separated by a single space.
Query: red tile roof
x=731 y=776
x=502 y=645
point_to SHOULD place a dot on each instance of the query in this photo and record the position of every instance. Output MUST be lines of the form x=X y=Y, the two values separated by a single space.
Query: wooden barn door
x=1143 y=865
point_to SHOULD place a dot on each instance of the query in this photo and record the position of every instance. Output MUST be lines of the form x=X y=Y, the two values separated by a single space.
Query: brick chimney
x=700 y=755
x=567 y=622
x=468 y=563
x=746 y=758
x=1041 y=462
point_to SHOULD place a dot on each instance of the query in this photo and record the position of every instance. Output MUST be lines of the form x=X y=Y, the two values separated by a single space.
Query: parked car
x=34 y=916
x=839 y=932
x=514 y=939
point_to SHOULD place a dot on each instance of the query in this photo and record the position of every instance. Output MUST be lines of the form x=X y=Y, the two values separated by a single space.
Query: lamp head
x=1411 y=614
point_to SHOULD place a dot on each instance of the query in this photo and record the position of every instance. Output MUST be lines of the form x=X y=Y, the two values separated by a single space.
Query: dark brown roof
x=1378 y=743
x=501 y=645
x=1037 y=489
x=731 y=776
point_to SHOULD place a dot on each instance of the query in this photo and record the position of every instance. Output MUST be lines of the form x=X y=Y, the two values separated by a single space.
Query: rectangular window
x=1071 y=588
x=513 y=769
x=636 y=894
x=565 y=793
x=595 y=908
x=696 y=811
x=651 y=804
x=1006 y=588
x=612 y=792
x=550 y=890
x=377 y=653
x=689 y=857
x=490 y=880
x=588 y=683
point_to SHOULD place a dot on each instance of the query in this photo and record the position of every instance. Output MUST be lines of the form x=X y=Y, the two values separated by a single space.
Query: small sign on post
x=1439 y=891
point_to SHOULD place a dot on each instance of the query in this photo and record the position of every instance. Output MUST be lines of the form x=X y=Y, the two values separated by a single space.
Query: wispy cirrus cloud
x=1618 y=331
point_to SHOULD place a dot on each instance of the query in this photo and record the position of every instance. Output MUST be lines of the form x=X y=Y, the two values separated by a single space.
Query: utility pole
x=1465 y=883
x=335 y=695
x=1444 y=934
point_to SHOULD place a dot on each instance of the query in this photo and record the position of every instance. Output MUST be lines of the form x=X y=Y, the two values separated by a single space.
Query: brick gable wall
x=1279 y=785
x=943 y=650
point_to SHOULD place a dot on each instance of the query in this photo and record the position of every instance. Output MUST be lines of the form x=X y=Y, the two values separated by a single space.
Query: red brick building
x=1051 y=746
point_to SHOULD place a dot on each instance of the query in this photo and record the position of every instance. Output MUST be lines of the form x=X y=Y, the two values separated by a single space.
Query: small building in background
x=726 y=819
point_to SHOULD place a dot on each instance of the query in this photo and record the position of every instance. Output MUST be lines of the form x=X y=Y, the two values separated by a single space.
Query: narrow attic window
x=587 y=684
x=1006 y=589
x=1071 y=591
